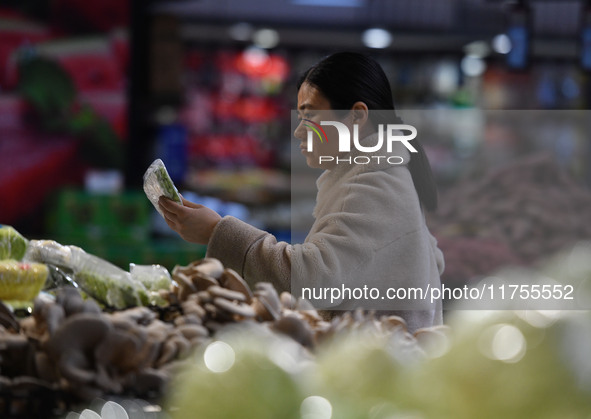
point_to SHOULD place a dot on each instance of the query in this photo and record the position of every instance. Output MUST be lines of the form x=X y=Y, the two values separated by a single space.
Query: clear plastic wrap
x=157 y=183
x=12 y=244
x=154 y=278
x=103 y=281
x=53 y=253
x=21 y=281
x=108 y=283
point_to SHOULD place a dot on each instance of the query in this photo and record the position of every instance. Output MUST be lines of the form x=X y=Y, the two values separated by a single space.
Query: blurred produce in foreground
x=489 y=364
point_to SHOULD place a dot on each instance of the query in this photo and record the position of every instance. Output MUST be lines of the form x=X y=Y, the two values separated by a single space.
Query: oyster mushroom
x=189 y=319
x=186 y=286
x=209 y=266
x=137 y=315
x=148 y=382
x=70 y=299
x=296 y=328
x=392 y=322
x=203 y=281
x=192 y=307
x=288 y=301
x=33 y=330
x=266 y=303
x=232 y=281
x=168 y=352
x=193 y=331
x=48 y=315
x=434 y=340
x=73 y=344
x=217 y=291
x=234 y=307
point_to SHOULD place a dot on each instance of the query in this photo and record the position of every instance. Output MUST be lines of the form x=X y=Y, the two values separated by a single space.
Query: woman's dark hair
x=347 y=77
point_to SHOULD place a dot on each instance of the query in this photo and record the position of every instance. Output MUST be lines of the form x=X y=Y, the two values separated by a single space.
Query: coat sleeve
x=372 y=233
x=253 y=253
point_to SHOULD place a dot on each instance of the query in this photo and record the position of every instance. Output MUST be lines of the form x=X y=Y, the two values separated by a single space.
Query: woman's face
x=313 y=106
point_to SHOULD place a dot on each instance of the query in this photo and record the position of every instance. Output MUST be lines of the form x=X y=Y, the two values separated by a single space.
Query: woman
x=369 y=230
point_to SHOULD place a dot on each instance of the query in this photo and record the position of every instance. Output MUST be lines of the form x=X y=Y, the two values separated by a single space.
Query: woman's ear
x=360 y=114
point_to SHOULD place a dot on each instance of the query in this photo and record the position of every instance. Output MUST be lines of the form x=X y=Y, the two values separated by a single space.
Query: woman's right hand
x=193 y=222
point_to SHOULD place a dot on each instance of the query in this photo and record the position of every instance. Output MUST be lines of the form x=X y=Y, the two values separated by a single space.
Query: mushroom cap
x=287 y=300
x=202 y=281
x=217 y=291
x=296 y=328
x=231 y=280
x=208 y=266
x=79 y=332
x=234 y=307
x=266 y=296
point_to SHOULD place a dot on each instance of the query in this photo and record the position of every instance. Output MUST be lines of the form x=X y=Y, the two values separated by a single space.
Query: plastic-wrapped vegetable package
x=107 y=283
x=21 y=281
x=157 y=183
x=153 y=278
x=53 y=253
x=100 y=279
x=12 y=244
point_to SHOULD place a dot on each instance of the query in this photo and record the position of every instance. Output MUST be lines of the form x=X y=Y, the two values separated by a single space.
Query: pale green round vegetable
x=21 y=281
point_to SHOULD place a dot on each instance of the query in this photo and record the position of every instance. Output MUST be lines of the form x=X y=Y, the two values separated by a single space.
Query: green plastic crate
x=122 y=218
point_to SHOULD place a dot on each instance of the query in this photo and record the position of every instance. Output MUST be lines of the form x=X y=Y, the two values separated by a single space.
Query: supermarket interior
x=92 y=92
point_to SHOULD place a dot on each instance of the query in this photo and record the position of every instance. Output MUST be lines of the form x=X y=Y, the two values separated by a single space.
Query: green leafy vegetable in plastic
x=167 y=185
x=112 y=292
x=12 y=244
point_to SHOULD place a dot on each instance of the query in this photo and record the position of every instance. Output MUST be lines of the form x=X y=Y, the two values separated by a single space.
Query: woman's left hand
x=193 y=222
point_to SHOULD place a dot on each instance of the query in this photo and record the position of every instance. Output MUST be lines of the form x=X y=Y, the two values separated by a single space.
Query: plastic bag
x=53 y=253
x=154 y=278
x=12 y=244
x=103 y=281
x=157 y=183
x=108 y=283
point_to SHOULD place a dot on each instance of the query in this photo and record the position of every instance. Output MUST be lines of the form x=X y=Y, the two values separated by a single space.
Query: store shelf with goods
x=515 y=215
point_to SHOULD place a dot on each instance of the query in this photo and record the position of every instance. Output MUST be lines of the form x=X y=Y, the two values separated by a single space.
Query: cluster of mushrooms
x=69 y=344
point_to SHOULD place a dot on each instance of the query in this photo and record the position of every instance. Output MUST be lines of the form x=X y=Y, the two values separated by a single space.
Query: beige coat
x=369 y=231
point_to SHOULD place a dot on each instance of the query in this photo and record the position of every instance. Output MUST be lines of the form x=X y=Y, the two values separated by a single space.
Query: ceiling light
x=501 y=44
x=376 y=38
x=478 y=49
x=241 y=31
x=473 y=66
x=266 y=38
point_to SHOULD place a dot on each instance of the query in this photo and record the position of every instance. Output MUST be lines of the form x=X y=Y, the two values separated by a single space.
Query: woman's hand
x=193 y=222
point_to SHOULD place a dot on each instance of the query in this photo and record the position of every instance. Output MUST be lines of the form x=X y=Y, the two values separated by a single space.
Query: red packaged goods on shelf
x=256 y=63
x=93 y=71
x=31 y=163
x=120 y=48
x=12 y=109
x=91 y=63
x=29 y=169
x=255 y=109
